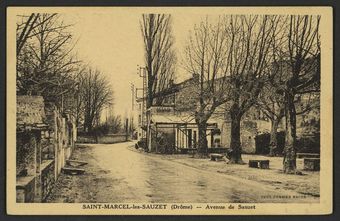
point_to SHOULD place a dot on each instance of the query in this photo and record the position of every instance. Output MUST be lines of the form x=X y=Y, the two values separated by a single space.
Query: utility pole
x=141 y=71
x=126 y=129
x=132 y=96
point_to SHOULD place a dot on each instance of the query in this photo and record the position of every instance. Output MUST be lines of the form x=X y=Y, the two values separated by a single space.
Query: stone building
x=45 y=138
x=171 y=121
x=174 y=121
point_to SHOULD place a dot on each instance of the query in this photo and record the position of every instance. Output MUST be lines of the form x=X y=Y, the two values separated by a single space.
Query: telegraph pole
x=126 y=129
x=132 y=96
x=142 y=73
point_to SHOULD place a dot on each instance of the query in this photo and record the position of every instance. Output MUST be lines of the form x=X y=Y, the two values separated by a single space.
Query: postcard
x=169 y=110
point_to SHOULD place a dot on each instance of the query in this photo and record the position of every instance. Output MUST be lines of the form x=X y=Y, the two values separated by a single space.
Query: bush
x=262 y=142
x=305 y=144
x=101 y=130
x=309 y=143
x=141 y=144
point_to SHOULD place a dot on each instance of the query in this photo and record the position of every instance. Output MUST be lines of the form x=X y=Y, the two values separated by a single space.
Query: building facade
x=174 y=121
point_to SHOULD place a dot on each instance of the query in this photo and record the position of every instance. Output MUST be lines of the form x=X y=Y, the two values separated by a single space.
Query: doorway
x=189 y=138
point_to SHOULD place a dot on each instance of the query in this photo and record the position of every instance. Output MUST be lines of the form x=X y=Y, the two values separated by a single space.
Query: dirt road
x=118 y=173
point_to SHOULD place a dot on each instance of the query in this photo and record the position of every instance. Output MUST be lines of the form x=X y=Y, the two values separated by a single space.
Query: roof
x=175 y=119
x=172 y=89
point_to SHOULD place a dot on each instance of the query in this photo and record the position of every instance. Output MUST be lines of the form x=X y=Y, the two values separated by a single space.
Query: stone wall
x=30 y=110
x=86 y=139
x=47 y=178
x=45 y=139
x=36 y=188
x=25 y=154
x=248 y=133
x=249 y=129
x=61 y=136
x=104 y=139
x=25 y=189
x=186 y=97
x=225 y=134
x=112 y=138
x=28 y=168
x=29 y=114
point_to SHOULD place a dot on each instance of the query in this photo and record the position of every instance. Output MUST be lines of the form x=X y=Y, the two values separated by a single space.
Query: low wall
x=26 y=186
x=25 y=189
x=113 y=138
x=47 y=178
x=106 y=139
x=86 y=139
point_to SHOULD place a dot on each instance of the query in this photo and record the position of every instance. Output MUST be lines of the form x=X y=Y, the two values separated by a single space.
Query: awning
x=176 y=119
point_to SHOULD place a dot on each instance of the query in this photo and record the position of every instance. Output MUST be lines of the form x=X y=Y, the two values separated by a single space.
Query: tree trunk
x=235 y=143
x=273 y=137
x=289 y=159
x=202 y=139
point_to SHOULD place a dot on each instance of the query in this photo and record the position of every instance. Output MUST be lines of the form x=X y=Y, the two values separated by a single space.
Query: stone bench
x=75 y=163
x=216 y=157
x=25 y=189
x=308 y=155
x=262 y=164
x=311 y=164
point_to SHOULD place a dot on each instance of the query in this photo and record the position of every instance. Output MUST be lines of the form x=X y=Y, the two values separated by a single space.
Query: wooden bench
x=311 y=164
x=307 y=155
x=216 y=157
x=262 y=164
x=72 y=170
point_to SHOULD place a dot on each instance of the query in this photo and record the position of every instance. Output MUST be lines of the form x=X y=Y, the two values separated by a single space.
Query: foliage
x=95 y=94
x=305 y=144
x=206 y=55
x=47 y=66
x=113 y=125
x=308 y=143
x=262 y=143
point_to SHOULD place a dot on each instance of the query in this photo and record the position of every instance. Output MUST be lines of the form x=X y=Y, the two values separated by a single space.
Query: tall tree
x=45 y=63
x=250 y=39
x=96 y=93
x=27 y=25
x=303 y=75
x=159 y=54
x=271 y=103
x=207 y=58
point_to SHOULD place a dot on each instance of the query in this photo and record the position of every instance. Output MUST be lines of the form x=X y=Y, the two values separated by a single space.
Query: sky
x=112 y=43
x=109 y=38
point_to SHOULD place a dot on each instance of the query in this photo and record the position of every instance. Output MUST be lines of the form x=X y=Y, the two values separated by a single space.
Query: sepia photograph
x=141 y=110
